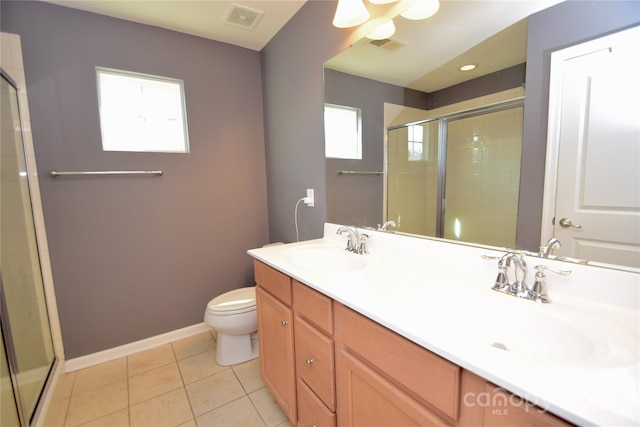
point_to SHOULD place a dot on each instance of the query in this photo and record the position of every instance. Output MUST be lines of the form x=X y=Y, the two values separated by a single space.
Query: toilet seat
x=233 y=302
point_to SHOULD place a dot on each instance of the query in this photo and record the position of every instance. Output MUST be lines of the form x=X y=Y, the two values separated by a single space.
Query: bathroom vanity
x=412 y=334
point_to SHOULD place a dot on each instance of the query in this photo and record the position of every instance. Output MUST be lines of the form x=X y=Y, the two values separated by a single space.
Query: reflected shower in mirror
x=457 y=176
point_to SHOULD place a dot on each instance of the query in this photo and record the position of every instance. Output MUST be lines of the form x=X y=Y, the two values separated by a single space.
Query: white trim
x=558 y=59
x=134 y=347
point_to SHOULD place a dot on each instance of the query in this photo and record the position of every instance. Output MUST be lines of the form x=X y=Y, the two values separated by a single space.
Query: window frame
x=147 y=147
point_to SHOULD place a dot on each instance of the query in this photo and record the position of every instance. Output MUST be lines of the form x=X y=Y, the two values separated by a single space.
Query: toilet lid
x=234 y=302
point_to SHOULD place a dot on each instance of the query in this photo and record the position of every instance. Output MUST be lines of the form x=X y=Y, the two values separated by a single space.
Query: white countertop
x=576 y=357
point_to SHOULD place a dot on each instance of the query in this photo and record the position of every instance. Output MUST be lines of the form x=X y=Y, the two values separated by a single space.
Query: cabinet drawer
x=276 y=283
x=430 y=378
x=314 y=306
x=311 y=410
x=315 y=361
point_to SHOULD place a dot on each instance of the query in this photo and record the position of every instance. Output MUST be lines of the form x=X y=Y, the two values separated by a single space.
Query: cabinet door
x=367 y=399
x=506 y=410
x=275 y=326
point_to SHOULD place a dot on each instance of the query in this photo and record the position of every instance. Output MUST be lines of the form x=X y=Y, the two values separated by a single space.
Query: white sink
x=325 y=258
x=529 y=330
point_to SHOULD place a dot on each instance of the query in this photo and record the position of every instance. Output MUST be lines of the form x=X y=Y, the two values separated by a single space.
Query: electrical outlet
x=309 y=201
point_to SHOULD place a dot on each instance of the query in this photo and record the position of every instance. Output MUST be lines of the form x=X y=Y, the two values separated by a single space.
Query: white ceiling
x=203 y=18
x=430 y=53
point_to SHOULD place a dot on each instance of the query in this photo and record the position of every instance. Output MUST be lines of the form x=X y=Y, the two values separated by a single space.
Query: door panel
x=598 y=189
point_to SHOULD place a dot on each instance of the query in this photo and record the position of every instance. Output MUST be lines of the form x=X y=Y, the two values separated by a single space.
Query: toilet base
x=234 y=349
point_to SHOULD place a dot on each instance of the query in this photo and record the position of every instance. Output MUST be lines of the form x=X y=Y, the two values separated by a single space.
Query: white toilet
x=233 y=315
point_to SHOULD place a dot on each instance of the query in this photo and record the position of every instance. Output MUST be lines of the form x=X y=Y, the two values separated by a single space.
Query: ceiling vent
x=243 y=17
x=387 y=44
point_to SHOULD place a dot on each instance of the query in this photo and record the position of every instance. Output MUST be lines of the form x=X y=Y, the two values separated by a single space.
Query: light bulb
x=350 y=13
x=384 y=31
x=421 y=9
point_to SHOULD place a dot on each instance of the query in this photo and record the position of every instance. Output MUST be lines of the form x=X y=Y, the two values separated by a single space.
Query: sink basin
x=533 y=331
x=325 y=258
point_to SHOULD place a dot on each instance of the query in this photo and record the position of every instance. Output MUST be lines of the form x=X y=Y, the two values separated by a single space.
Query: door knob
x=284 y=322
x=566 y=223
x=309 y=361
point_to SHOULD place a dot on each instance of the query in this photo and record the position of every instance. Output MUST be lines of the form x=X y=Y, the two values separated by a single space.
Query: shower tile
x=154 y=383
x=249 y=375
x=214 y=391
x=96 y=403
x=194 y=345
x=100 y=375
x=201 y=365
x=150 y=359
x=237 y=413
x=169 y=409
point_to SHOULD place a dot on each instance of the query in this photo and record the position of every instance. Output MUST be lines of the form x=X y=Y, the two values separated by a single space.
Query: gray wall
x=292 y=82
x=563 y=25
x=133 y=257
x=293 y=110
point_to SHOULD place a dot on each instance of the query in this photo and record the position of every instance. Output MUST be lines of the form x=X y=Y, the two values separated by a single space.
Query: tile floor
x=176 y=384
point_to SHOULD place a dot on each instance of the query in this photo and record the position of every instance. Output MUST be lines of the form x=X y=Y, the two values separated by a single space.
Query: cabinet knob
x=309 y=361
x=284 y=322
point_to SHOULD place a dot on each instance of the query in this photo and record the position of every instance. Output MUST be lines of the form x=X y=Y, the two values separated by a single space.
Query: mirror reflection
x=431 y=160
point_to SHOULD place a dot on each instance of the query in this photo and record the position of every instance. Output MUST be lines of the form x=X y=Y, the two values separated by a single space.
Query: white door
x=597 y=205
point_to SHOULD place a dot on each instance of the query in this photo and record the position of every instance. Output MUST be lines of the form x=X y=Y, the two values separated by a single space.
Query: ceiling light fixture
x=350 y=13
x=382 y=1
x=421 y=9
x=384 y=31
x=468 y=67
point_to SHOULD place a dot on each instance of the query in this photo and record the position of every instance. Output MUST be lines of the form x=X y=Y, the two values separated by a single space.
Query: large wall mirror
x=440 y=147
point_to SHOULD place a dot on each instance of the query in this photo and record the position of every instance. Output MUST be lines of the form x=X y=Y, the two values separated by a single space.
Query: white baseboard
x=134 y=347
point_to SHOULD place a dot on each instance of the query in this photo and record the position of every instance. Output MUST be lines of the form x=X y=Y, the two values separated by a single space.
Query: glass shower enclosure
x=26 y=351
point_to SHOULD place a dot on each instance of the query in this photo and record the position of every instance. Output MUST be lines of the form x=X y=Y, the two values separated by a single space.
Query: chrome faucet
x=356 y=242
x=519 y=287
x=386 y=225
x=546 y=249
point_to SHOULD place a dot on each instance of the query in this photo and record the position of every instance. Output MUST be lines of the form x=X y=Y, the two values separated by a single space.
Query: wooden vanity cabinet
x=315 y=360
x=385 y=377
x=507 y=410
x=327 y=365
x=276 y=339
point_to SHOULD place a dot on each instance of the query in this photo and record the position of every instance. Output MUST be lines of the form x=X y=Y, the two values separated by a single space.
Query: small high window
x=140 y=112
x=342 y=132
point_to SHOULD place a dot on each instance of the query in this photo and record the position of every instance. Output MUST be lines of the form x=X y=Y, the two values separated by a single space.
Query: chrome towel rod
x=55 y=173
x=360 y=172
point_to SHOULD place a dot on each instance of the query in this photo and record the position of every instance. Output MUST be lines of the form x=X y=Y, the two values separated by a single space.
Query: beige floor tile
x=150 y=359
x=154 y=383
x=201 y=365
x=56 y=413
x=214 y=391
x=267 y=407
x=64 y=386
x=249 y=375
x=169 y=409
x=239 y=413
x=116 y=419
x=286 y=424
x=100 y=375
x=190 y=423
x=193 y=345
x=96 y=403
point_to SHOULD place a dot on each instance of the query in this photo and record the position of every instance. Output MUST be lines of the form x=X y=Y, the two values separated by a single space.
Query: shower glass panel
x=483 y=178
x=457 y=177
x=25 y=323
x=412 y=177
